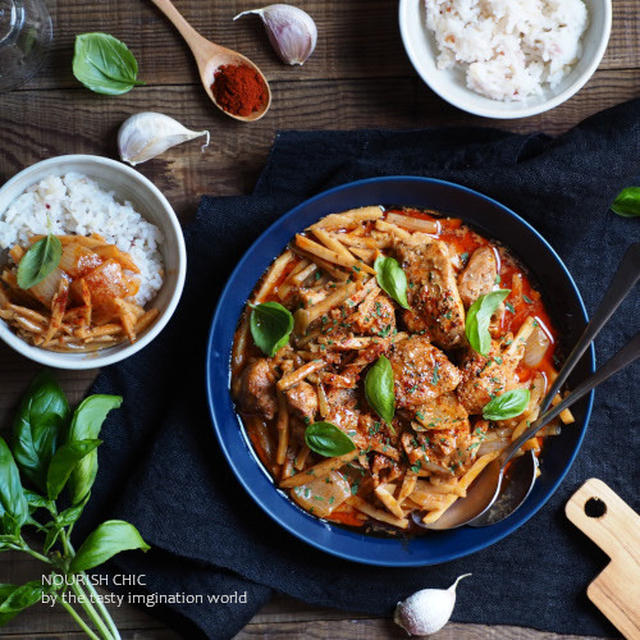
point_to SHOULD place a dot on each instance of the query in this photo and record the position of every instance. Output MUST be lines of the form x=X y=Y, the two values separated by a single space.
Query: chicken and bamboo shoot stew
x=384 y=359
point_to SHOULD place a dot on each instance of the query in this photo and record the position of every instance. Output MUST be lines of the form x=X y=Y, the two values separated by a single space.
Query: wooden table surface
x=359 y=77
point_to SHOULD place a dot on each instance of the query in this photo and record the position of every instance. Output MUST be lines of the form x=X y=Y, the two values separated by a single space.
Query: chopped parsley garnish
x=510 y=307
x=436 y=376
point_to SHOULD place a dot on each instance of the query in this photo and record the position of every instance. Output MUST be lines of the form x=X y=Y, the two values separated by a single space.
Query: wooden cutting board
x=616 y=591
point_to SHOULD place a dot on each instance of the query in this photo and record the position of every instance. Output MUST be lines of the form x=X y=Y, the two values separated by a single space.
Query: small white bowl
x=450 y=84
x=146 y=198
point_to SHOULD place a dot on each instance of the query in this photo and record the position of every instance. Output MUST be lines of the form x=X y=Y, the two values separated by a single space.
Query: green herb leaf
x=38 y=426
x=110 y=538
x=36 y=501
x=14 y=599
x=327 y=440
x=39 y=261
x=14 y=509
x=378 y=389
x=71 y=514
x=104 y=64
x=479 y=317
x=64 y=462
x=392 y=279
x=271 y=325
x=507 y=405
x=85 y=425
x=627 y=204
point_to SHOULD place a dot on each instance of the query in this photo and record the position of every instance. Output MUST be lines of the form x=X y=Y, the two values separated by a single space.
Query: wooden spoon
x=210 y=56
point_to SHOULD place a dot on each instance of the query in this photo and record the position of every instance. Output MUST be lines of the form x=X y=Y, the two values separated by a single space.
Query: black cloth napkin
x=160 y=464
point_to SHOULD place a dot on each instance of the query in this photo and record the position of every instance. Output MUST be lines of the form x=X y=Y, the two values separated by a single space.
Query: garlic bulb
x=145 y=135
x=292 y=31
x=427 y=611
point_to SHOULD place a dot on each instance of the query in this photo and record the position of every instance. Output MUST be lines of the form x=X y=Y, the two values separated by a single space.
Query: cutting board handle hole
x=595 y=508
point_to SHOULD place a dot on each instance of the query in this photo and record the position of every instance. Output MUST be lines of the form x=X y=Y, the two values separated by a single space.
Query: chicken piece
x=445 y=452
x=303 y=400
x=376 y=317
x=478 y=277
x=433 y=295
x=322 y=495
x=257 y=389
x=350 y=374
x=421 y=372
x=445 y=412
x=483 y=378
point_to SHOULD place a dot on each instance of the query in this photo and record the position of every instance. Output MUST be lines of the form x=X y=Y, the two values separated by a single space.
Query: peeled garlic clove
x=145 y=135
x=292 y=31
x=427 y=611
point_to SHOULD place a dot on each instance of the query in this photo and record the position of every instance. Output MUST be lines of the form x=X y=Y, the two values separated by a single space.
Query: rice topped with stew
x=508 y=49
x=75 y=204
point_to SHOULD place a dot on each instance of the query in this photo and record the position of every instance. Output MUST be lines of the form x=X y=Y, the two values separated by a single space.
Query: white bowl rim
x=526 y=111
x=92 y=360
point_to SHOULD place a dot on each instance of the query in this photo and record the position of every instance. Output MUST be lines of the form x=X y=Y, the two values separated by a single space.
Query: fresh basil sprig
x=39 y=261
x=627 y=204
x=507 y=405
x=104 y=64
x=50 y=457
x=378 y=389
x=327 y=440
x=271 y=325
x=479 y=317
x=392 y=279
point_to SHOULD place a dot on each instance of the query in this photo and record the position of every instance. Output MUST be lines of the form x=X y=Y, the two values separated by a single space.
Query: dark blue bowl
x=494 y=221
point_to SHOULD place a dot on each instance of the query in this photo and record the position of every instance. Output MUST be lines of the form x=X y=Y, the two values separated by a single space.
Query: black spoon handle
x=623 y=282
x=624 y=357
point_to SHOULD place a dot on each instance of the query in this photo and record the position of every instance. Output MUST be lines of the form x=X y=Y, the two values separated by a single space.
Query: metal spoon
x=485 y=504
x=211 y=56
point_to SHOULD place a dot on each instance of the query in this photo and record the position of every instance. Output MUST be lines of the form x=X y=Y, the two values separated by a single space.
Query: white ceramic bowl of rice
x=505 y=58
x=86 y=194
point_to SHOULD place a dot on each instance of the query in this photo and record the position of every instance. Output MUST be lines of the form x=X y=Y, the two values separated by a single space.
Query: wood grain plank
x=358 y=38
x=38 y=124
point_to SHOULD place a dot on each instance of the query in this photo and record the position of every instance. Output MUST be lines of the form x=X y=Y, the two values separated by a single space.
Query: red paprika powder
x=239 y=89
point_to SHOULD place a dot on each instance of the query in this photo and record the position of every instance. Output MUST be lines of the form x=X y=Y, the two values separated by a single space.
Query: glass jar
x=26 y=32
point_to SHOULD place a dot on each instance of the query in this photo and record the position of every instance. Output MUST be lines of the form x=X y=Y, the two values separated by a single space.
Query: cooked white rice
x=75 y=204
x=509 y=49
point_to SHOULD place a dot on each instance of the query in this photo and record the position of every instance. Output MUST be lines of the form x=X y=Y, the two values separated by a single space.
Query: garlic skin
x=292 y=31
x=145 y=135
x=427 y=611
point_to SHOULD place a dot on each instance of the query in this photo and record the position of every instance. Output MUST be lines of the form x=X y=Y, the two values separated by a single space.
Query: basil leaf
x=271 y=325
x=627 y=204
x=479 y=317
x=327 y=440
x=104 y=64
x=507 y=405
x=71 y=514
x=85 y=425
x=378 y=389
x=392 y=279
x=37 y=428
x=39 y=261
x=14 y=599
x=110 y=538
x=64 y=462
x=14 y=509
